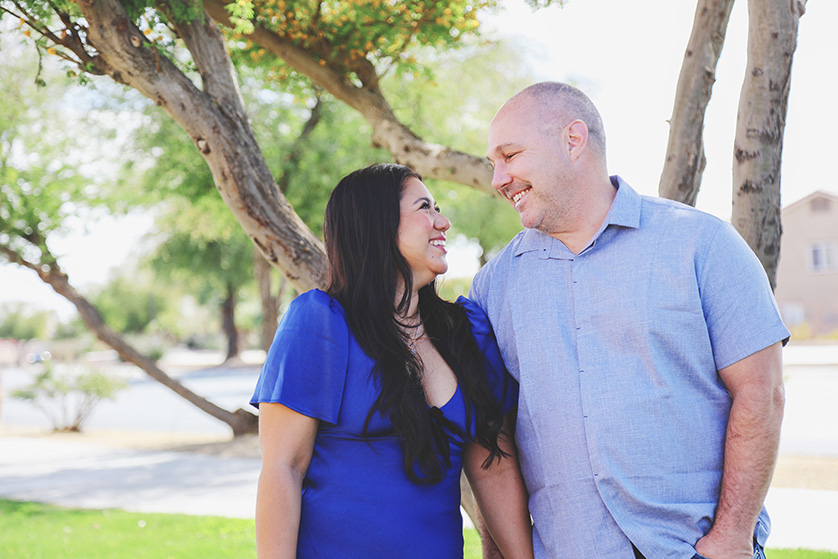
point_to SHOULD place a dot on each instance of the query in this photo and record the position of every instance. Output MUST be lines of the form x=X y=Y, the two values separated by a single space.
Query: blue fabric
x=622 y=414
x=357 y=499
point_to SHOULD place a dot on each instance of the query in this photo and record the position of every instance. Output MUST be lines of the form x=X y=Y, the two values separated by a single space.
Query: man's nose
x=500 y=177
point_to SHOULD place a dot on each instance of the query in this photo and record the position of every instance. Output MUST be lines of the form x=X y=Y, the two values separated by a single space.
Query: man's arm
x=753 y=434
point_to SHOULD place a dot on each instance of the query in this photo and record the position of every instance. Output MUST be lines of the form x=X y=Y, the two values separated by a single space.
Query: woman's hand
x=501 y=495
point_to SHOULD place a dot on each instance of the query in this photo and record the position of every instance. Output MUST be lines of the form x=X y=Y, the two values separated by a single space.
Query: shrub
x=68 y=399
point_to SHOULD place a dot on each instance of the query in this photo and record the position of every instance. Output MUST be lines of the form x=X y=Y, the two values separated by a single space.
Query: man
x=647 y=345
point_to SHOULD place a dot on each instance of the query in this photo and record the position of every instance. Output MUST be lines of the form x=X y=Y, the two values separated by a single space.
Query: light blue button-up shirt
x=622 y=414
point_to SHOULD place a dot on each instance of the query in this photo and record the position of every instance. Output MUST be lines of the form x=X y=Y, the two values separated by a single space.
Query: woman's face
x=422 y=230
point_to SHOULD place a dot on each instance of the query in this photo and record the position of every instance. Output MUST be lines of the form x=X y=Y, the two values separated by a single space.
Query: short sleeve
x=501 y=383
x=305 y=369
x=739 y=308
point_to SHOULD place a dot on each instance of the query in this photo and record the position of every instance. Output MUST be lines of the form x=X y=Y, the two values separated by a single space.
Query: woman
x=377 y=393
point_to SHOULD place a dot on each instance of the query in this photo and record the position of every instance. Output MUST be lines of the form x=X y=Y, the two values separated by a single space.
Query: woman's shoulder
x=478 y=319
x=317 y=302
x=479 y=323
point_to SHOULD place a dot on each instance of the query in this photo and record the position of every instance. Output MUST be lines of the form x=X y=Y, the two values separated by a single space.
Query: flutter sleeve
x=501 y=383
x=305 y=369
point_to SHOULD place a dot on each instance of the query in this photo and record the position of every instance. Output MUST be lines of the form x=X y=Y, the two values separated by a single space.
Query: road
x=811 y=374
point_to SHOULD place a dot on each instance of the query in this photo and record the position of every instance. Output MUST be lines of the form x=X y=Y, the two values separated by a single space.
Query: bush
x=68 y=399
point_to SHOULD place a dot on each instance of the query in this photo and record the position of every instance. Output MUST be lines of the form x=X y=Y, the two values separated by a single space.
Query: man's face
x=530 y=166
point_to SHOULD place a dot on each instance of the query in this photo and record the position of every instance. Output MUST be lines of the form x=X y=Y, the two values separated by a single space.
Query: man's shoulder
x=674 y=216
x=493 y=275
x=502 y=258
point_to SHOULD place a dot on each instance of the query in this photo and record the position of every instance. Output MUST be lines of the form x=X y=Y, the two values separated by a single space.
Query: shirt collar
x=625 y=209
x=624 y=212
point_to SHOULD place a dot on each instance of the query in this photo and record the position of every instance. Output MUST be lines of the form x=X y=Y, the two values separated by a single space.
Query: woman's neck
x=412 y=307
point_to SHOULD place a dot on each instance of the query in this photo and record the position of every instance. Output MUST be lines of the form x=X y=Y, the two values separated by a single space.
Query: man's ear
x=577 y=139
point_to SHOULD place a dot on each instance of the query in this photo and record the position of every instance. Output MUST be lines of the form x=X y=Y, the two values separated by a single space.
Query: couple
x=642 y=341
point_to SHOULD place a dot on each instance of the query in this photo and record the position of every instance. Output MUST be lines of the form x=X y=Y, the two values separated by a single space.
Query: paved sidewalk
x=77 y=474
x=80 y=474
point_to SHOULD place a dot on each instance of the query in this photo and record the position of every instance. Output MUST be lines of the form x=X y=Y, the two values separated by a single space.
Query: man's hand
x=755 y=384
x=716 y=548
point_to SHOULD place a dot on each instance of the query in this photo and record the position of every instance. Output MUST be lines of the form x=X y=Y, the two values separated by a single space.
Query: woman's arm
x=501 y=495
x=287 y=441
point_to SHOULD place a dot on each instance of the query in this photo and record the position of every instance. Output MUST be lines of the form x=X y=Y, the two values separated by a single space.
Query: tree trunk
x=761 y=121
x=241 y=421
x=216 y=121
x=685 y=160
x=270 y=303
x=228 y=324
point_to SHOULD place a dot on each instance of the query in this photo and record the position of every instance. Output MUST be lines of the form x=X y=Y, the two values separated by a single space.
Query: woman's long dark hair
x=365 y=269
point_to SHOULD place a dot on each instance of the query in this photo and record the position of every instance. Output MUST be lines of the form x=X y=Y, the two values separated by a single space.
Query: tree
x=763 y=104
x=127 y=307
x=19 y=324
x=772 y=39
x=345 y=49
x=40 y=188
x=204 y=250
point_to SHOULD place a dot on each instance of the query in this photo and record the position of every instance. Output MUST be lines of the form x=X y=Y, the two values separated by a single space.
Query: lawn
x=38 y=531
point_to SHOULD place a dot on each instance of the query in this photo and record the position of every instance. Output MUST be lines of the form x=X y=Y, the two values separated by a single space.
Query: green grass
x=38 y=531
x=798 y=554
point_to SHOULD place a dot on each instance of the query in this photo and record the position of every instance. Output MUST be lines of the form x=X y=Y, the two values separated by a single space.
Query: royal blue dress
x=357 y=501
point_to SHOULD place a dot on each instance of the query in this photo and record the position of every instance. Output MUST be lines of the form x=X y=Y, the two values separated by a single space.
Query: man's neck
x=589 y=217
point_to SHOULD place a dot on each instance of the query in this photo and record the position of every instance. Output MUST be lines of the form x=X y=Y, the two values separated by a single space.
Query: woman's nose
x=442 y=223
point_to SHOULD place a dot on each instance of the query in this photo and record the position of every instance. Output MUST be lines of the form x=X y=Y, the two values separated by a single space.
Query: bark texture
x=430 y=159
x=761 y=121
x=240 y=421
x=215 y=119
x=685 y=160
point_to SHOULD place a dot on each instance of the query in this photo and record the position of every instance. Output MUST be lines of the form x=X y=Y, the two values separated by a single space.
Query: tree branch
x=240 y=421
x=431 y=160
x=216 y=121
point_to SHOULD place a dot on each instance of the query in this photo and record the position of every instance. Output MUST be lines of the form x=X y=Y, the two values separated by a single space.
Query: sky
x=626 y=56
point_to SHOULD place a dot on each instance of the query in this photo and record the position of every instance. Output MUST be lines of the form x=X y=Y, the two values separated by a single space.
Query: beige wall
x=802 y=293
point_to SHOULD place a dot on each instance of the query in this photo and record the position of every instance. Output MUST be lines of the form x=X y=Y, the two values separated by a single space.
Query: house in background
x=807 y=274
